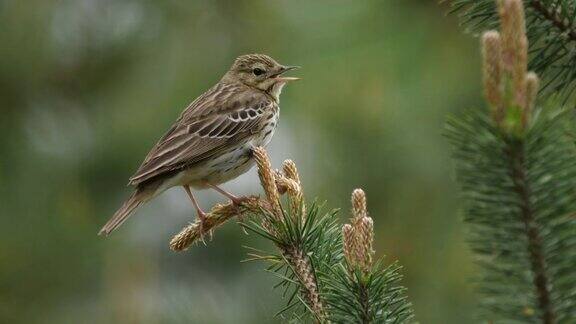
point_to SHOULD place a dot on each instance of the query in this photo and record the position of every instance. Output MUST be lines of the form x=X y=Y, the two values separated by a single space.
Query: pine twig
x=309 y=260
x=219 y=215
x=296 y=257
x=517 y=175
x=563 y=26
x=551 y=31
x=532 y=231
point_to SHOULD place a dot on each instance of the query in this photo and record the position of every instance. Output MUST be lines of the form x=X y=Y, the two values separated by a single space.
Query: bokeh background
x=88 y=86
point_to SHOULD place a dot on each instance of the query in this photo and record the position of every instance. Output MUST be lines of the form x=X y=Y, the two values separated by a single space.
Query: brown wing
x=221 y=118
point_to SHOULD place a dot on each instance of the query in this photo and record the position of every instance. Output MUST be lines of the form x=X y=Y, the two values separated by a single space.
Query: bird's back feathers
x=217 y=121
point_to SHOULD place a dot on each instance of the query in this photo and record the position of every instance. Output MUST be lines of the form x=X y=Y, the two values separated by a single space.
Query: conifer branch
x=219 y=215
x=517 y=170
x=552 y=15
x=332 y=276
x=289 y=246
x=551 y=31
x=531 y=229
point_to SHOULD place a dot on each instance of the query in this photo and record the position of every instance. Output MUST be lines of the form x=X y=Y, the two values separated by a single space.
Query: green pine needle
x=551 y=31
x=318 y=235
x=520 y=198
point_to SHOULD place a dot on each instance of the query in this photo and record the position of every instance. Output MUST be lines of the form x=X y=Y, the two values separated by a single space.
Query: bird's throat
x=276 y=89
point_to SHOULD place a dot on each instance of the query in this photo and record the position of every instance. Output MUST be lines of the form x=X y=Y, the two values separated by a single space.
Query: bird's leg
x=199 y=211
x=235 y=200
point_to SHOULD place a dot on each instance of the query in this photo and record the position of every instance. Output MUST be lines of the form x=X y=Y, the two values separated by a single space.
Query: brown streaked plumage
x=211 y=142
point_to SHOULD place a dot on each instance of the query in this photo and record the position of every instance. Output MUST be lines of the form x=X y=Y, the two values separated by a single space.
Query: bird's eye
x=258 y=71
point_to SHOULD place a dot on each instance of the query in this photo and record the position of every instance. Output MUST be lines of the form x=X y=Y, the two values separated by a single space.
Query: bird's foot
x=237 y=201
x=201 y=225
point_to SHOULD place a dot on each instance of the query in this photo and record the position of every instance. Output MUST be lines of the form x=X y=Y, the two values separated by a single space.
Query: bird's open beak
x=284 y=70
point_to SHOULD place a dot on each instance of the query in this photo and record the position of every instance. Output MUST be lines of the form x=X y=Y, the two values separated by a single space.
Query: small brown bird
x=212 y=140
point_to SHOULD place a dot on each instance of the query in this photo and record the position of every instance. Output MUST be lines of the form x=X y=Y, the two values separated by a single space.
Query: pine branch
x=219 y=215
x=286 y=227
x=551 y=30
x=517 y=171
x=516 y=156
x=306 y=275
x=325 y=277
x=553 y=16
x=361 y=291
x=520 y=209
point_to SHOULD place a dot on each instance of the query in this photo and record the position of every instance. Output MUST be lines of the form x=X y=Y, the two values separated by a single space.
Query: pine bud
x=349 y=242
x=492 y=73
x=358 y=237
x=359 y=203
x=514 y=46
x=297 y=196
x=365 y=243
x=512 y=26
x=290 y=170
x=267 y=178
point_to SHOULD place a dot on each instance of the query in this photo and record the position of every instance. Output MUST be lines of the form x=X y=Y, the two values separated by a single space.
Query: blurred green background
x=88 y=86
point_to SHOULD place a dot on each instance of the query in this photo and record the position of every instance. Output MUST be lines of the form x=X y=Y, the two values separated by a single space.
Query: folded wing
x=214 y=123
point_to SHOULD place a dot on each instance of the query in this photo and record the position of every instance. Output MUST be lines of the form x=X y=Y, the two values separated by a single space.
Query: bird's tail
x=138 y=198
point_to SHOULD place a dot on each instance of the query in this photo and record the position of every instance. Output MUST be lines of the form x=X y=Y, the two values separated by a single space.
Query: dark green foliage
x=551 y=31
x=319 y=238
x=520 y=194
x=373 y=298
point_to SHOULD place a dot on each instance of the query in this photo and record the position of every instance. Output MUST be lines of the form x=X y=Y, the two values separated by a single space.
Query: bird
x=212 y=140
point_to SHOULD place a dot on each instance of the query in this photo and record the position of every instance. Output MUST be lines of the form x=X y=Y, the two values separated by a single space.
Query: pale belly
x=225 y=167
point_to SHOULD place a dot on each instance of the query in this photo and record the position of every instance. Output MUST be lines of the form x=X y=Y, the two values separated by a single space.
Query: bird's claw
x=202 y=221
x=237 y=201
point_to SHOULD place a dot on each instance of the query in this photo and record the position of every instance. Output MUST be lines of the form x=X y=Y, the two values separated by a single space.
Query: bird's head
x=260 y=71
